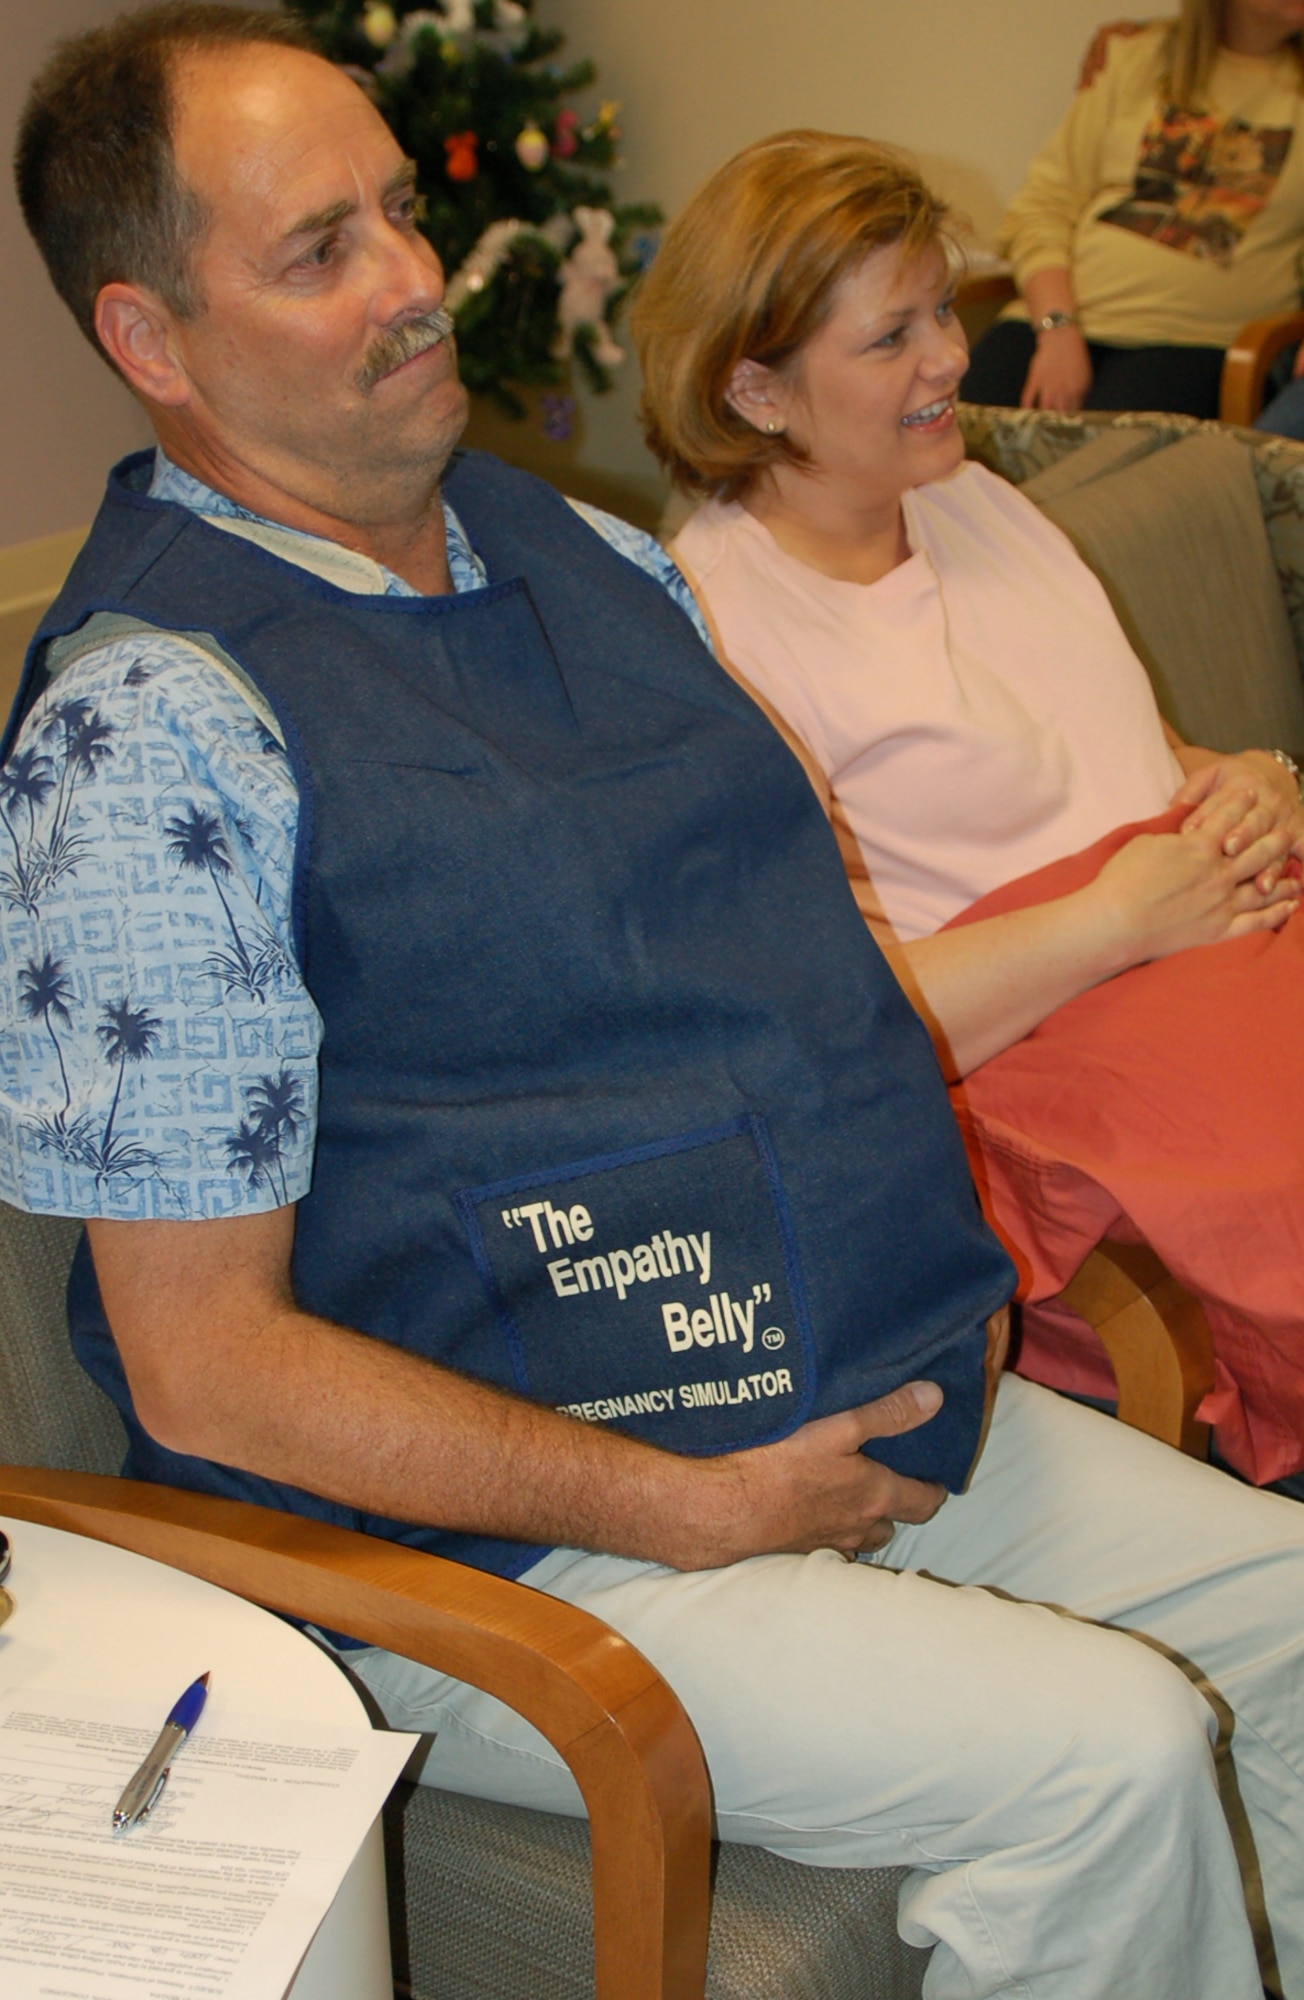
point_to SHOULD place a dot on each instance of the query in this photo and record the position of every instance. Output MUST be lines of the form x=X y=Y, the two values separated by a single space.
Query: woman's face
x=871 y=396
x=1259 y=27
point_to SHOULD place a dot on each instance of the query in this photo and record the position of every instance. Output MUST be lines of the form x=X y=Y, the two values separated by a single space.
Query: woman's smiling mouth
x=932 y=415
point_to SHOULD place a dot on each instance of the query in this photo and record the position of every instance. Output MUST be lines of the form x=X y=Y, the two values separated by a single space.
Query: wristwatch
x=1051 y=322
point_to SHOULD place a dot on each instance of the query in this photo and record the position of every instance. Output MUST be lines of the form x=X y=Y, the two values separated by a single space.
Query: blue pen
x=142 y=1792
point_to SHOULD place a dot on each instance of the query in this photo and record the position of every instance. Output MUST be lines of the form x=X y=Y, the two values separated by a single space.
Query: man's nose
x=411 y=277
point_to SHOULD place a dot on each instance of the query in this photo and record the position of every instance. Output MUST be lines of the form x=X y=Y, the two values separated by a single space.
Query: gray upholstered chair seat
x=778 y=1931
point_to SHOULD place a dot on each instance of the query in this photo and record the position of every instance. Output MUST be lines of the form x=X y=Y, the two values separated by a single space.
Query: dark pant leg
x=999 y=363
x=1185 y=379
x=1285 y=413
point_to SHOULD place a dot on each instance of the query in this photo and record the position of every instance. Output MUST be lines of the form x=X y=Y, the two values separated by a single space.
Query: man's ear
x=135 y=331
x=754 y=393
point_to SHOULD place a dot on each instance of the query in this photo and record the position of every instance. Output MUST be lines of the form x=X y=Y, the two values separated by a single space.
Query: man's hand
x=224 y=1365
x=814 y=1489
x=1059 y=374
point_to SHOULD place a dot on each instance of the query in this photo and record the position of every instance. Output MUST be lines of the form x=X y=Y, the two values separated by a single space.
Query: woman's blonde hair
x=1192 y=50
x=748 y=271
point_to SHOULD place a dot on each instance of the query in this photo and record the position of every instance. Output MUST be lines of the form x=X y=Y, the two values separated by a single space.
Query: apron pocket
x=657 y=1290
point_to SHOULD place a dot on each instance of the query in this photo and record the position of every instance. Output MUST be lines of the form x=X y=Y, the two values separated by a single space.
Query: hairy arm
x=224 y=1365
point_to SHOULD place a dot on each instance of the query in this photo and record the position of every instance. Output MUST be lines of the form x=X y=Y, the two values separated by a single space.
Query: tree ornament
x=558 y=417
x=531 y=147
x=462 y=163
x=398 y=59
x=380 y=24
x=460 y=82
x=512 y=23
x=588 y=277
x=485 y=261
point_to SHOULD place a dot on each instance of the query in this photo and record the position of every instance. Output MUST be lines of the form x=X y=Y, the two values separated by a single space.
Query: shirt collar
x=345 y=567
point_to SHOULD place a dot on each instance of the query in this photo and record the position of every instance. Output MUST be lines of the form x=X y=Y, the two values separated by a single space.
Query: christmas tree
x=515 y=199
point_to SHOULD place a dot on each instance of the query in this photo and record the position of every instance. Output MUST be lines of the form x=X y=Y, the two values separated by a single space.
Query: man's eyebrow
x=330 y=218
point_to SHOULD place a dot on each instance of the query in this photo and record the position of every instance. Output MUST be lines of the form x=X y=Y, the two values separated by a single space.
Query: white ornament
x=483 y=264
x=512 y=22
x=588 y=277
x=402 y=52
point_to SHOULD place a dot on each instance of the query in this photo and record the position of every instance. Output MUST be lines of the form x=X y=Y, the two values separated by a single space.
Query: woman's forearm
x=987 y=985
x=1049 y=290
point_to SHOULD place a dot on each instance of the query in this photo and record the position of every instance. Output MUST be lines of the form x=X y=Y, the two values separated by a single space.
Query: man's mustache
x=390 y=350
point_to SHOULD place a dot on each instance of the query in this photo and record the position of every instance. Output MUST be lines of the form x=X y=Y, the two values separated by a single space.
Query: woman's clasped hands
x=1224 y=873
x=1275 y=801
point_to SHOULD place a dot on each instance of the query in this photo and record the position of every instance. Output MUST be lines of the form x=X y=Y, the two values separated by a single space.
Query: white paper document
x=216 y=1895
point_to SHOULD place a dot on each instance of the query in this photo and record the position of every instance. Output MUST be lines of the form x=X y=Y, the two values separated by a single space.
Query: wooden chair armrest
x=985 y=288
x=1247 y=361
x=601 y=1705
x=1156 y=1337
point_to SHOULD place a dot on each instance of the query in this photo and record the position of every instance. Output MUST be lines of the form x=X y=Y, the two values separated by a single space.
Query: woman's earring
x=771 y=428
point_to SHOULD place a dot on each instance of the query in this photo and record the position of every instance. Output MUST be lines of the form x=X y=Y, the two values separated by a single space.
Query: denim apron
x=621 y=1108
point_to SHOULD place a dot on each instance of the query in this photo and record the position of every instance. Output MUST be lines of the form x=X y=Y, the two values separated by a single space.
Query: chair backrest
x=1021 y=444
x=50 y=1412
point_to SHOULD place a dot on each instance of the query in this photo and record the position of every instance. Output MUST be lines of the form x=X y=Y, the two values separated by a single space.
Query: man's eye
x=409 y=208
x=320 y=255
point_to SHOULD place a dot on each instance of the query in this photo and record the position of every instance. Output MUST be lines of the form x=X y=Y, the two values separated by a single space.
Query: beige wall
x=63 y=417
x=972 y=85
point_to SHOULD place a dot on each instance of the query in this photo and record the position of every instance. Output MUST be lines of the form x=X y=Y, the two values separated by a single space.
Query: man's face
x=312 y=276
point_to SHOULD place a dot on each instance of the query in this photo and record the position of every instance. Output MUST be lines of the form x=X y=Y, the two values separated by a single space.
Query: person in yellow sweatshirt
x=1166 y=211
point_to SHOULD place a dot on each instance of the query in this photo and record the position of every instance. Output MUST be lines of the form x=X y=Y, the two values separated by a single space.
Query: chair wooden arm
x=1247 y=361
x=627 y=1741
x=979 y=296
x=985 y=288
x=1156 y=1337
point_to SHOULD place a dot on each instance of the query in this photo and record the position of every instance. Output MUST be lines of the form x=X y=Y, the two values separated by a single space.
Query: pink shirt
x=978 y=711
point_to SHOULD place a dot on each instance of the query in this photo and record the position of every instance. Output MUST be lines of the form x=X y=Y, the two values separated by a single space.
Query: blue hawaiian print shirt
x=158 y=1048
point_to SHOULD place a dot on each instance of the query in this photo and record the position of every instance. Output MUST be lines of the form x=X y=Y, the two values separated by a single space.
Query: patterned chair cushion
x=1019 y=443
x=1177 y=538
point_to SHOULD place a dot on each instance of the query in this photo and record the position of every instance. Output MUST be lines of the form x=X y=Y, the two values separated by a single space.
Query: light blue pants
x=1285 y=413
x=1049 y=1784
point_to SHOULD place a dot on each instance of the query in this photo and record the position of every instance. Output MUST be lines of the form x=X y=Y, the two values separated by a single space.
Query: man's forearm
x=314 y=1405
x=223 y=1365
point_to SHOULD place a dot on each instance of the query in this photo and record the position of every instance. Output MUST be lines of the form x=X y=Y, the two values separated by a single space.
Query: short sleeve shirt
x=158 y=1047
